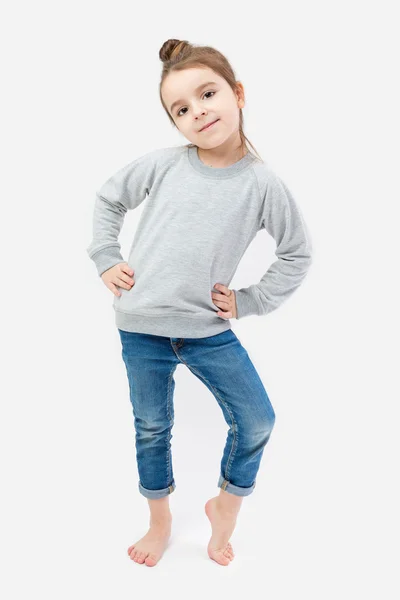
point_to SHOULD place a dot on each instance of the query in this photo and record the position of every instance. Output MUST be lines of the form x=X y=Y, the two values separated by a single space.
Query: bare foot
x=219 y=548
x=150 y=548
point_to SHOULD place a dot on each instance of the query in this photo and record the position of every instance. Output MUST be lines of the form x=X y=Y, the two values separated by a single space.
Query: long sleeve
x=123 y=191
x=282 y=219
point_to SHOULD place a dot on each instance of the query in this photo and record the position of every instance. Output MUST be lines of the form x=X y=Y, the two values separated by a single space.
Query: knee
x=269 y=420
x=265 y=422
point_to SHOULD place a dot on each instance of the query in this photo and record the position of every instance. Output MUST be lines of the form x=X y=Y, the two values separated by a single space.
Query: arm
x=123 y=191
x=282 y=218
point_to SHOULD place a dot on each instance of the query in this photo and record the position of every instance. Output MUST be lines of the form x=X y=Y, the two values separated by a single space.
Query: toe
x=219 y=557
x=228 y=553
x=131 y=548
x=151 y=560
x=141 y=558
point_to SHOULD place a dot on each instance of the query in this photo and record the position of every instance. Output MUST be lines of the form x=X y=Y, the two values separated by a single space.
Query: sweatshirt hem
x=175 y=325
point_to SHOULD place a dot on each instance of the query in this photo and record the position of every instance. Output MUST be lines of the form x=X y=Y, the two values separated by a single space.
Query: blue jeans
x=223 y=365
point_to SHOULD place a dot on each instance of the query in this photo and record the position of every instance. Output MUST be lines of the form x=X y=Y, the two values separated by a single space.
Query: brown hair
x=177 y=55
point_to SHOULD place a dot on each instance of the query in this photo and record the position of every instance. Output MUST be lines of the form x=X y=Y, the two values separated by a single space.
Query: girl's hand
x=226 y=301
x=118 y=276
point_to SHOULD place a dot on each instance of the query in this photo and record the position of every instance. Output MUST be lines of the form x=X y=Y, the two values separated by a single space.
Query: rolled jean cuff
x=235 y=489
x=154 y=494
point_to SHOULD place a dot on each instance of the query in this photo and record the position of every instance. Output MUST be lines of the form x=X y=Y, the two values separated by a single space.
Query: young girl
x=172 y=301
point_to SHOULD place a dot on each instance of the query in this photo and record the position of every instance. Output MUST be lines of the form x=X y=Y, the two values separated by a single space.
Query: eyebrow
x=196 y=90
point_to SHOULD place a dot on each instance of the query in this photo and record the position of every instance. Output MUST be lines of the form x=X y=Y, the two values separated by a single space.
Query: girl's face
x=198 y=96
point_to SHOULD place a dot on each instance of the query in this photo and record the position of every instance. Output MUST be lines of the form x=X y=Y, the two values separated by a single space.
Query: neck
x=223 y=155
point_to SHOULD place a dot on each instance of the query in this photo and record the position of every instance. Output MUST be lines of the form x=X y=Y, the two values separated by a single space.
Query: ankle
x=226 y=511
x=161 y=521
x=226 y=515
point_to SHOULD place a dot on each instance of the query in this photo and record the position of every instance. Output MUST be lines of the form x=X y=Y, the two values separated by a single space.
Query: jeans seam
x=169 y=470
x=234 y=446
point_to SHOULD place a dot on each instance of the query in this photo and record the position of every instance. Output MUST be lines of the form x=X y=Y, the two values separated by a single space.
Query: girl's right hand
x=118 y=276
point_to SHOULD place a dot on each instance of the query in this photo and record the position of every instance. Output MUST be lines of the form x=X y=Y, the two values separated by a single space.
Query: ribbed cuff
x=246 y=303
x=107 y=258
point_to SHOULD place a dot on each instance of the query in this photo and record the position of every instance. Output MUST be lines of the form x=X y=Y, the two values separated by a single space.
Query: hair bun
x=172 y=49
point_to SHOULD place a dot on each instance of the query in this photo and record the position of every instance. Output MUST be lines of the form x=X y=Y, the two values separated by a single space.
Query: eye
x=209 y=92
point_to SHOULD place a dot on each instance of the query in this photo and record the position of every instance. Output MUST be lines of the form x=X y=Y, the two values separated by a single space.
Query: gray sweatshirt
x=195 y=226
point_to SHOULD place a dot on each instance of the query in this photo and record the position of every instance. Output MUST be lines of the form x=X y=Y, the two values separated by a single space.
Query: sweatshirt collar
x=218 y=172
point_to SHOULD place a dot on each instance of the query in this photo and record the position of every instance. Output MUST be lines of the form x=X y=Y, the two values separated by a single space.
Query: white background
x=80 y=100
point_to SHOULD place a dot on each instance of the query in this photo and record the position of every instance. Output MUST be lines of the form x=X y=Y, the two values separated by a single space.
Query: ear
x=240 y=94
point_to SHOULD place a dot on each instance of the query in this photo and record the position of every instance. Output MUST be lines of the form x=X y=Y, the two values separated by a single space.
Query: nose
x=198 y=112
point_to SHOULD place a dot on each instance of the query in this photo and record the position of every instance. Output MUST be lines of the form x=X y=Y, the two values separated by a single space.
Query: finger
x=114 y=289
x=124 y=272
x=221 y=297
x=121 y=284
x=222 y=304
x=222 y=288
x=121 y=279
x=224 y=315
x=127 y=269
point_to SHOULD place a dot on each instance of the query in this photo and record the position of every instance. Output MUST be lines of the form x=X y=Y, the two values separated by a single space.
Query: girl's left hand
x=226 y=301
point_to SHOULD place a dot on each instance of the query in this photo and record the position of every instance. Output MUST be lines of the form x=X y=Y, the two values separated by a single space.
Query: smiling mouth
x=209 y=125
